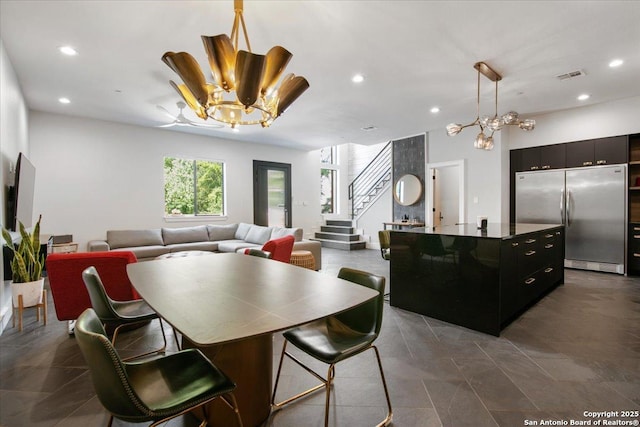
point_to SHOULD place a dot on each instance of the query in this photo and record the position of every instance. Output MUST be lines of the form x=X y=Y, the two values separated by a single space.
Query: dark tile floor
x=577 y=350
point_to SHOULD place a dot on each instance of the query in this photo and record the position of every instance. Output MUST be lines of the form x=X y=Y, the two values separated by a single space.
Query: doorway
x=446 y=203
x=271 y=194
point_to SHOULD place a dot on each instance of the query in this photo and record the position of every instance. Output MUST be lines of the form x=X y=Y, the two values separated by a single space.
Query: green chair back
x=366 y=318
x=100 y=301
x=107 y=369
x=385 y=243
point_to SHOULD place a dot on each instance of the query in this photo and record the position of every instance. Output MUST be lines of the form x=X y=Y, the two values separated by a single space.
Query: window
x=329 y=180
x=328 y=191
x=193 y=187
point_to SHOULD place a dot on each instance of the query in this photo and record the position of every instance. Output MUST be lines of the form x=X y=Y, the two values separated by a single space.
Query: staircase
x=339 y=234
x=371 y=182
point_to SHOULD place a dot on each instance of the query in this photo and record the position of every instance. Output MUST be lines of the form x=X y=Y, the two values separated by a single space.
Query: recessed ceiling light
x=68 y=50
x=435 y=110
x=64 y=100
x=584 y=97
x=357 y=78
x=616 y=63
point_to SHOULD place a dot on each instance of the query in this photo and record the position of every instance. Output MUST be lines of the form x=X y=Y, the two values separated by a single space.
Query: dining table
x=230 y=305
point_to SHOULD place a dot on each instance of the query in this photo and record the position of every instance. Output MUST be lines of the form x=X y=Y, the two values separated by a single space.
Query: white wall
x=371 y=220
x=484 y=178
x=594 y=121
x=93 y=176
x=13 y=139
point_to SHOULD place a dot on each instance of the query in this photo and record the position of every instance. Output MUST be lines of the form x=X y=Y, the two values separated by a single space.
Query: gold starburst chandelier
x=492 y=124
x=243 y=91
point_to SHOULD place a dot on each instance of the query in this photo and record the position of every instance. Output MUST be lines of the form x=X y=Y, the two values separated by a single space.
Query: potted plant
x=26 y=266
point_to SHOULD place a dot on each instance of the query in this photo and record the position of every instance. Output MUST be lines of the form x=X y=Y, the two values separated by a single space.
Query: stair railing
x=368 y=184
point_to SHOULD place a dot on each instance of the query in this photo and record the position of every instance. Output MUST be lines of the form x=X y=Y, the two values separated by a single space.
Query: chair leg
x=275 y=386
x=331 y=373
x=389 y=417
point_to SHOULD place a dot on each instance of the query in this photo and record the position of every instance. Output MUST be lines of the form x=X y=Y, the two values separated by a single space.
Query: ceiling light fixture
x=243 y=91
x=616 y=63
x=68 y=50
x=357 y=78
x=584 y=97
x=494 y=123
x=435 y=110
x=64 y=100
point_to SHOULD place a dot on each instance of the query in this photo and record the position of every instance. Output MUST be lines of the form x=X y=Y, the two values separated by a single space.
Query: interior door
x=446 y=199
x=271 y=194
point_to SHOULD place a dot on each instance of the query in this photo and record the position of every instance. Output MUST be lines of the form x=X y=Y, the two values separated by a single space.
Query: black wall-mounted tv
x=20 y=200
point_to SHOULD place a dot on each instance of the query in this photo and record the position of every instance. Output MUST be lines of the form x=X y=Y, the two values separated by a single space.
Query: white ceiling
x=415 y=55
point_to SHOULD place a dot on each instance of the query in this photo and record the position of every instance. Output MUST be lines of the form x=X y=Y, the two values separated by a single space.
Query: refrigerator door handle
x=568 y=207
x=562 y=216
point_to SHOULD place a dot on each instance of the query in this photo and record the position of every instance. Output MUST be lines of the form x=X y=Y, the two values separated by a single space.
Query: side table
x=303 y=259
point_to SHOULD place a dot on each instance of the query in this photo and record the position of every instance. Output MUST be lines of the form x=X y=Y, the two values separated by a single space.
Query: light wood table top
x=228 y=297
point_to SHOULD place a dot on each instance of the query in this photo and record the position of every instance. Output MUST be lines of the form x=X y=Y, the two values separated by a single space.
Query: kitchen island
x=479 y=279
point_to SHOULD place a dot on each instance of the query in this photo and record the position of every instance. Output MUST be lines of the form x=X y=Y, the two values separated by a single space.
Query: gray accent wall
x=409 y=158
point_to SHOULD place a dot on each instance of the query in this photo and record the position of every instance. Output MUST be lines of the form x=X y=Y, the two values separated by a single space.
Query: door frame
x=257 y=166
x=431 y=167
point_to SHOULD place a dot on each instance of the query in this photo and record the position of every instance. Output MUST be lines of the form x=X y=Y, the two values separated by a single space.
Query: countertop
x=493 y=231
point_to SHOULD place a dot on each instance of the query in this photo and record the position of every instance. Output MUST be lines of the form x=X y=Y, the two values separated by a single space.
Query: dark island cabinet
x=594 y=152
x=481 y=280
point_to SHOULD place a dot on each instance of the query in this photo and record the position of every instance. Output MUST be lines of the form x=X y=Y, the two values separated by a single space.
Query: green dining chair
x=385 y=244
x=337 y=338
x=121 y=313
x=154 y=390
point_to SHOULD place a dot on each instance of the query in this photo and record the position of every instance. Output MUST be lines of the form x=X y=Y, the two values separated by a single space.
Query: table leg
x=249 y=363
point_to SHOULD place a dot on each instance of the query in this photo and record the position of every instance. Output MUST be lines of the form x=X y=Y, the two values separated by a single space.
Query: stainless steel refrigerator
x=591 y=203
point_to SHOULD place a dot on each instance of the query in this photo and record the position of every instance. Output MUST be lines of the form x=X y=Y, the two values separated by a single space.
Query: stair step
x=340 y=222
x=336 y=229
x=342 y=237
x=346 y=246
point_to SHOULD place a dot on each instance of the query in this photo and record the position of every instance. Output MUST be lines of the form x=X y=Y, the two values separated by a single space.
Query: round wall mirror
x=407 y=190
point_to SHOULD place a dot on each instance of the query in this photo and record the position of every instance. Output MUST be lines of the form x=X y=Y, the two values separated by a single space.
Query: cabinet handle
x=636 y=228
x=587 y=163
x=529 y=241
x=601 y=162
x=546 y=167
x=548 y=270
x=548 y=236
x=636 y=236
x=513 y=245
x=636 y=255
x=534 y=168
x=530 y=253
x=529 y=281
x=548 y=246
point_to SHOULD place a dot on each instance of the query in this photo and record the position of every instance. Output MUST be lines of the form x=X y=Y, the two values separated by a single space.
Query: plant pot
x=31 y=293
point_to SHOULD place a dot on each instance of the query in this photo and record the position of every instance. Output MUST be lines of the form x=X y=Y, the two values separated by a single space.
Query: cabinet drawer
x=529 y=256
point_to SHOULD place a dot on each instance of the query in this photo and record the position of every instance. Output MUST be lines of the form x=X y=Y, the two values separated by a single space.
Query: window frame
x=168 y=217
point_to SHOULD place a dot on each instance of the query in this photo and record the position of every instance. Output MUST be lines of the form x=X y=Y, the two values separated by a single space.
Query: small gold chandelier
x=244 y=90
x=494 y=123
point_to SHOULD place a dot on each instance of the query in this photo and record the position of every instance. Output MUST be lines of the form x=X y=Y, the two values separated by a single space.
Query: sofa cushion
x=194 y=246
x=171 y=236
x=279 y=232
x=130 y=238
x=143 y=252
x=241 y=232
x=234 y=245
x=222 y=232
x=258 y=234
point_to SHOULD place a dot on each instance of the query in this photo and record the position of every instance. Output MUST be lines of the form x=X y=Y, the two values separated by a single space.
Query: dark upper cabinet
x=580 y=154
x=602 y=151
x=543 y=157
x=553 y=156
x=610 y=151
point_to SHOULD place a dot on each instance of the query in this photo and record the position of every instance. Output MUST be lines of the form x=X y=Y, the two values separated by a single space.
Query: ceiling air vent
x=571 y=75
x=369 y=128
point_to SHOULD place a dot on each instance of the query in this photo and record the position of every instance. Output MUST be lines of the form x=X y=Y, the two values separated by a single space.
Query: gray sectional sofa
x=149 y=243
